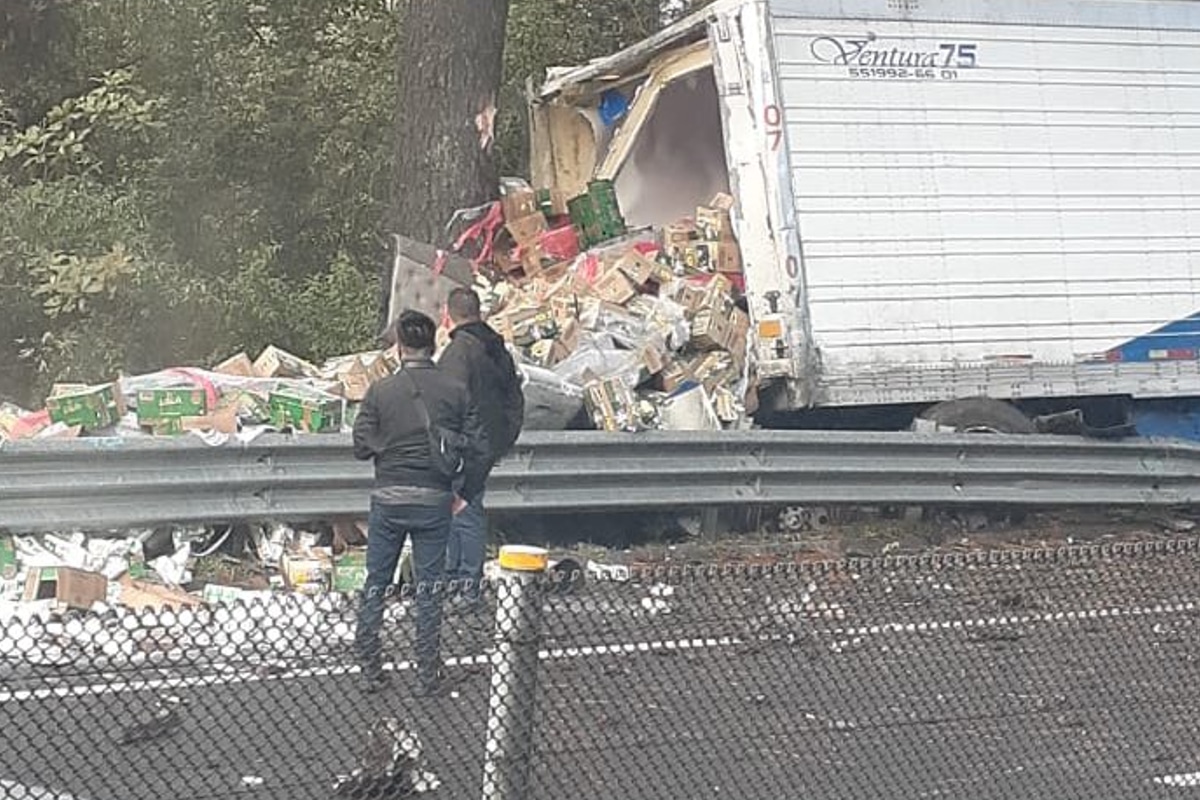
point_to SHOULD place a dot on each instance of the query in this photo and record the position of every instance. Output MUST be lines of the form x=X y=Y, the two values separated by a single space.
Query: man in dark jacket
x=477 y=356
x=412 y=496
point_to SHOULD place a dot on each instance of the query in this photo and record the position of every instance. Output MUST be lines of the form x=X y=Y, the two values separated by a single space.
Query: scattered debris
x=143 y=594
x=647 y=324
x=161 y=722
x=1174 y=525
x=276 y=391
x=391 y=765
x=647 y=327
x=157 y=569
x=657 y=603
x=67 y=587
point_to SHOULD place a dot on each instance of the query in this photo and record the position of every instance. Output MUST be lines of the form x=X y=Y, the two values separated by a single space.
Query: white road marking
x=11 y=790
x=1022 y=619
x=1191 y=779
x=253 y=675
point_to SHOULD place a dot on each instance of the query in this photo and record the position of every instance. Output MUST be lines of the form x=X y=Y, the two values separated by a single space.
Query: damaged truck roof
x=603 y=73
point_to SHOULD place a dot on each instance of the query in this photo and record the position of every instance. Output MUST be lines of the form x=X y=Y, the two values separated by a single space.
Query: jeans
x=429 y=527
x=465 y=551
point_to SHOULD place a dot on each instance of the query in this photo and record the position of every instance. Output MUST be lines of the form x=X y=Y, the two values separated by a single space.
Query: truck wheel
x=980 y=415
x=983 y=415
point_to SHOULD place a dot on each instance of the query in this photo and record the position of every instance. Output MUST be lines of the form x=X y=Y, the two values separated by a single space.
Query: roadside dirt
x=842 y=533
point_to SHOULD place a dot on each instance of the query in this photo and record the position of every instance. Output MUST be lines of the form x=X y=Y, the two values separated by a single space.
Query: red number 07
x=774 y=120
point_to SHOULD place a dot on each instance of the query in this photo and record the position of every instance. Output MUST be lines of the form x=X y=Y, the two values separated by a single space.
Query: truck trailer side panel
x=994 y=198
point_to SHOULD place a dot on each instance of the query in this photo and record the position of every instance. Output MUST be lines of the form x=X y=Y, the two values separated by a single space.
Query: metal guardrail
x=107 y=483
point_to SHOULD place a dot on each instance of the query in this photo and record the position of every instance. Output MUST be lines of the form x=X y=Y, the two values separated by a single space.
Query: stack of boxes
x=621 y=280
x=705 y=243
x=546 y=298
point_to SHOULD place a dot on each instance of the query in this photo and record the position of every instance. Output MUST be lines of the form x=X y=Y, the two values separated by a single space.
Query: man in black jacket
x=477 y=356
x=396 y=423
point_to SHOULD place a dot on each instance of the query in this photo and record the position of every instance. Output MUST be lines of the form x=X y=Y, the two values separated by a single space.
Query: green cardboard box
x=8 y=559
x=311 y=413
x=350 y=571
x=90 y=408
x=156 y=404
x=163 y=410
x=138 y=568
x=612 y=405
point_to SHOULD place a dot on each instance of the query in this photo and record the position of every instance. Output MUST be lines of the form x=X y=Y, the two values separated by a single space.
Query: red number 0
x=773 y=118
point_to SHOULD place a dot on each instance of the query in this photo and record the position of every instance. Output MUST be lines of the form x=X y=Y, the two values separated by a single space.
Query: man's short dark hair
x=415 y=331
x=463 y=304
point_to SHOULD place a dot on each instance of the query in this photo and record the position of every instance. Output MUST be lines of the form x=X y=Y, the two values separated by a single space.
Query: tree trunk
x=449 y=64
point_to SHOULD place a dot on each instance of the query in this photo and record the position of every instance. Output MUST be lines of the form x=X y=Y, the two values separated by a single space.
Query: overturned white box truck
x=951 y=207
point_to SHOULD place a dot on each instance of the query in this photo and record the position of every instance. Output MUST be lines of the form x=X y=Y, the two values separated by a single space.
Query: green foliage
x=69 y=283
x=71 y=251
x=212 y=199
x=326 y=313
x=329 y=308
x=180 y=181
x=58 y=145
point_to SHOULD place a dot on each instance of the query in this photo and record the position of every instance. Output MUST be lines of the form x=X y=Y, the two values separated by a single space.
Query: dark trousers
x=468 y=546
x=388 y=525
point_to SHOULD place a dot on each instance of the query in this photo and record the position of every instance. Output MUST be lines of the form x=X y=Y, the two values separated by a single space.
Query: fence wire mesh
x=1056 y=673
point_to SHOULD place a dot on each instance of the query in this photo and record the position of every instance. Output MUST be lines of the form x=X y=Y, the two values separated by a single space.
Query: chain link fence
x=1056 y=673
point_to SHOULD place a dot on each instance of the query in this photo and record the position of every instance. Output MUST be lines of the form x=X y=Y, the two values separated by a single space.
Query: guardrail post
x=513 y=700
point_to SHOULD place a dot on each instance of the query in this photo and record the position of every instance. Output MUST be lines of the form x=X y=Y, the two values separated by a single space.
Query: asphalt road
x=1035 y=680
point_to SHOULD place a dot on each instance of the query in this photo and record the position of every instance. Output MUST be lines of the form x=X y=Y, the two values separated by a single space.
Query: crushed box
x=67 y=586
x=678 y=235
x=306 y=574
x=714 y=224
x=352 y=375
x=349 y=573
x=524 y=326
x=637 y=267
x=91 y=408
x=722 y=201
x=274 y=362
x=139 y=594
x=238 y=365
x=614 y=286
x=612 y=405
x=8 y=559
x=526 y=230
x=710 y=329
x=519 y=201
